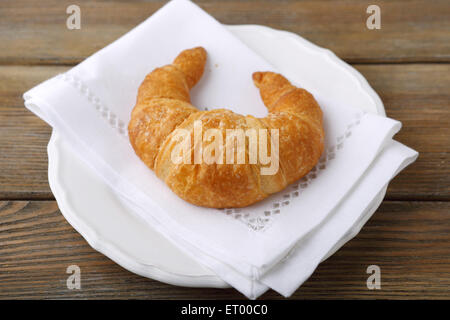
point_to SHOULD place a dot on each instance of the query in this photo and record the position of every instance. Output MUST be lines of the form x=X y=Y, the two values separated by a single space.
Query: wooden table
x=407 y=62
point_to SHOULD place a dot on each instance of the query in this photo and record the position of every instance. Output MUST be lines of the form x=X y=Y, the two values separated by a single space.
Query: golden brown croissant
x=163 y=108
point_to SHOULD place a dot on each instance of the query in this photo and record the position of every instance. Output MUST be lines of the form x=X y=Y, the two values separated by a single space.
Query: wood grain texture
x=23 y=136
x=411 y=94
x=36 y=33
x=409 y=241
x=418 y=96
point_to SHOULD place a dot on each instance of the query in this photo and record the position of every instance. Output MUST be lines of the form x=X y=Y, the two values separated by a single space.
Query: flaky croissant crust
x=163 y=105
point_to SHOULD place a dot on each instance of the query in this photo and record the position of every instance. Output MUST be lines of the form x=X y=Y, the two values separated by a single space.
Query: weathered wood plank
x=409 y=241
x=23 y=136
x=36 y=33
x=417 y=95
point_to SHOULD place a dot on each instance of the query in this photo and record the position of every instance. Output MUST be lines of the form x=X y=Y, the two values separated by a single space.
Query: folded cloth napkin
x=342 y=224
x=90 y=107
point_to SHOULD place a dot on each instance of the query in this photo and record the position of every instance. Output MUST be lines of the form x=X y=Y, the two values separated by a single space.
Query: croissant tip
x=198 y=49
x=198 y=52
x=257 y=77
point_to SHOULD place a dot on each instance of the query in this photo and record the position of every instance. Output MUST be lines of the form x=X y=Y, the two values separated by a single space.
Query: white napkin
x=90 y=107
x=341 y=225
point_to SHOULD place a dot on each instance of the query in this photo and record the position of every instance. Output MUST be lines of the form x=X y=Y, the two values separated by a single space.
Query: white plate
x=93 y=210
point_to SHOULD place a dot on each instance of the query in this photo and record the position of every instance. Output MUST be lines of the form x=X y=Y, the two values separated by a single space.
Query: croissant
x=163 y=108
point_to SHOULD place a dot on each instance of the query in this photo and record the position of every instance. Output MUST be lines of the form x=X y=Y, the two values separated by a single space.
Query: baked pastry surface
x=163 y=105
